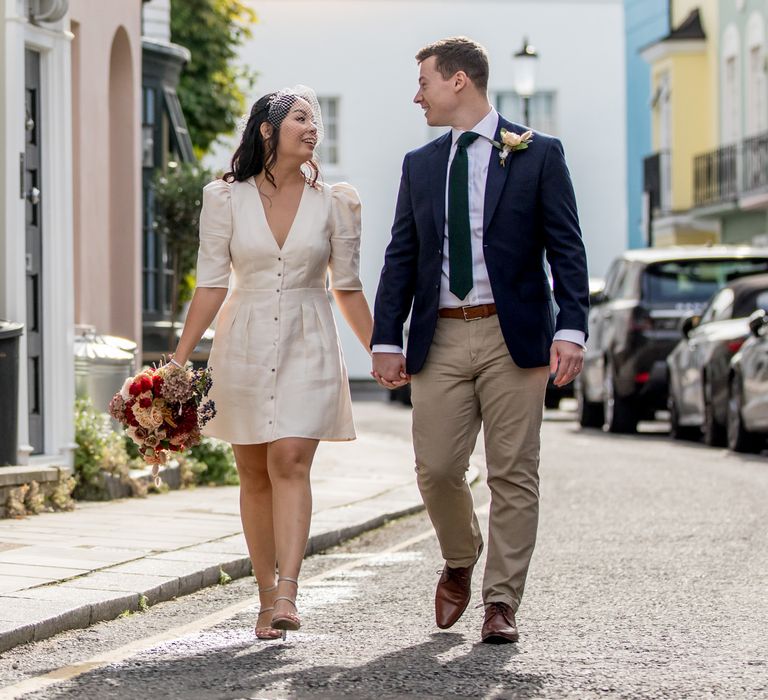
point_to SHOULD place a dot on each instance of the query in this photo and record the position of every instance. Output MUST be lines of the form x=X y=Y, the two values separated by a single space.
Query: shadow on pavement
x=249 y=671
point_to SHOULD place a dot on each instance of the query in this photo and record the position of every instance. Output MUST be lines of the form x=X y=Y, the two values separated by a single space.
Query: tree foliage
x=178 y=200
x=212 y=87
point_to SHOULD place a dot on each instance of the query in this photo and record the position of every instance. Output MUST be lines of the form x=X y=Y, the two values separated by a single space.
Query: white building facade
x=358 y=55
x=36 y=252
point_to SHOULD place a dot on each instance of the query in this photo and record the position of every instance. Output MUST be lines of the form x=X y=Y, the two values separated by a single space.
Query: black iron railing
x=755 y=164
x=727 y=173
x=715 y=176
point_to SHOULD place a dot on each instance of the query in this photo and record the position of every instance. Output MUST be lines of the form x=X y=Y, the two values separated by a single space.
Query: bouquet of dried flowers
x=164 y=409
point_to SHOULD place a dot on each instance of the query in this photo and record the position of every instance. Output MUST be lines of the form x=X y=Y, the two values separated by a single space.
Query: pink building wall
x=106 y=167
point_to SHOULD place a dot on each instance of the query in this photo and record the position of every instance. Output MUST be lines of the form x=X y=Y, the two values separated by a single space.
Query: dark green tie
x=459 y=233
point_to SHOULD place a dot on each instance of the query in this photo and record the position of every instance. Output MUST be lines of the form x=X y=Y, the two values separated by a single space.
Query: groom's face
x=436 y=96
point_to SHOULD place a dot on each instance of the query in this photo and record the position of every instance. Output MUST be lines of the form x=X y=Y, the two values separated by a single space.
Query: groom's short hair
x=458 y=53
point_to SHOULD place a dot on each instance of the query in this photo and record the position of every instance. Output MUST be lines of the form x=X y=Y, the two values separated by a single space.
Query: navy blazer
x=530 y=210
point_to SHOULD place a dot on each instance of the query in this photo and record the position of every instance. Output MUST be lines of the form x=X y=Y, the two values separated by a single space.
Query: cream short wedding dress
x=277 y=366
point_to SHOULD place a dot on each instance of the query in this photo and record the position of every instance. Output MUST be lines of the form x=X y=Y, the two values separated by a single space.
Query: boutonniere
x=510 y=141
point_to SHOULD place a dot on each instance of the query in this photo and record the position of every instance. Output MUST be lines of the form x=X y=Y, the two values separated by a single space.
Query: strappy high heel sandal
x=287 y=621
x=267 y=634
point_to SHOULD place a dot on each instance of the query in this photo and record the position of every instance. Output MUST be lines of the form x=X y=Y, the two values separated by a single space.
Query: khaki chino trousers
x=469 y=380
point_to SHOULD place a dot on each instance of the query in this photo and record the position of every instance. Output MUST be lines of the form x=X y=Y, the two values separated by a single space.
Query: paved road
x=649 y=581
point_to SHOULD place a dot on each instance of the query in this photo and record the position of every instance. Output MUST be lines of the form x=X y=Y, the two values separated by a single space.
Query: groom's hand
x=389 y=369
x=567 y=359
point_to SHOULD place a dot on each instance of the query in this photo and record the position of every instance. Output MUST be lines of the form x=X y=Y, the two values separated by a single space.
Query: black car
x=699 y=366
x=747 y=416
x=636 y=323
x=555 y=394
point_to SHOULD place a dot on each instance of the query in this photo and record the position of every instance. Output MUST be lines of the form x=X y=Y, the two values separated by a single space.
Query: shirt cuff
x=577 y=337
x=387 y=348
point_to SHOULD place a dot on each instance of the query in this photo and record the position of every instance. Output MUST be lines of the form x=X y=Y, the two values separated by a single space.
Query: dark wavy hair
x=255 y=153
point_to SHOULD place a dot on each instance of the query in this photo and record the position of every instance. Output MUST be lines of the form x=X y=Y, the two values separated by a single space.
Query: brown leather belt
x=469 y=313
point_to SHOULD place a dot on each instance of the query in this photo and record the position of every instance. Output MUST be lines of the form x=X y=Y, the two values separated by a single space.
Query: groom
x=466 y=260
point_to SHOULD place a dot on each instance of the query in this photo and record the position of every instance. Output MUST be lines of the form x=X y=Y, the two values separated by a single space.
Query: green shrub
x=100 y=449
x=219 y=461
x=91 y=431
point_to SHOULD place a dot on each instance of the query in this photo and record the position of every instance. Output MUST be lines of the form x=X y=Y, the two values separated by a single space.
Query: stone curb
x=48 y=610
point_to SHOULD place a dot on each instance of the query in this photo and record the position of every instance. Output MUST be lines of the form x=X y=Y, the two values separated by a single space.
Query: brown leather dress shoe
x=499 y=626
x=454 y=590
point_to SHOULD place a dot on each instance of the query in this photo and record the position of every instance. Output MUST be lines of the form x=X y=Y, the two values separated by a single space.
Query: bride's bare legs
x=256 y=515
x=288 y=462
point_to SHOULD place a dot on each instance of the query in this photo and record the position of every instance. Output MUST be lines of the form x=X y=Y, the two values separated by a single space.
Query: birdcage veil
x=281 y=103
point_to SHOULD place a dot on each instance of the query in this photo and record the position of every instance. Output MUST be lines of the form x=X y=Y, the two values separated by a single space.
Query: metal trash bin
x=9 y=391
x=102 y=364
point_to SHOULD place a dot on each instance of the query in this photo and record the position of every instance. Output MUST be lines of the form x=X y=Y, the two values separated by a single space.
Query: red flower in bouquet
x=164 y=409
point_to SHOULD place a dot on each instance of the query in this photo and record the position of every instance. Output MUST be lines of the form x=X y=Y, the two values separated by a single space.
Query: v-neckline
x=266 y=220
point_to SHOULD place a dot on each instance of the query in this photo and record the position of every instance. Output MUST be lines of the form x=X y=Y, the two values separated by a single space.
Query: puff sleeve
x=213 y=258
x=345 y=238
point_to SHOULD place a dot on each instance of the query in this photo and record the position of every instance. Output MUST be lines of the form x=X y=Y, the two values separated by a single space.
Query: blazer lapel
x=438 y=174
x=497 y=175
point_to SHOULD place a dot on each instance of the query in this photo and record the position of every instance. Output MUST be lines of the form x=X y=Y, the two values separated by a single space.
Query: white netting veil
x=285 y=100
x=280 y=106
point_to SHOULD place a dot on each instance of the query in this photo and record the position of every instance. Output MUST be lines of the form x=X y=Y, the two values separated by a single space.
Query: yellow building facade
x=684 y=88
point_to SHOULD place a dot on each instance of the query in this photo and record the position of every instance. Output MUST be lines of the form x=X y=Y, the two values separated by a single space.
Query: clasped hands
x=566 y=359
x=389 y=369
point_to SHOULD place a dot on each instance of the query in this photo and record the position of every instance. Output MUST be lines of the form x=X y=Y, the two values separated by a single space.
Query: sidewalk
x=62 y=571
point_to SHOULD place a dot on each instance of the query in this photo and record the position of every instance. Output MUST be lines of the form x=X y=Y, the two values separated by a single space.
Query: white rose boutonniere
x=510 y=141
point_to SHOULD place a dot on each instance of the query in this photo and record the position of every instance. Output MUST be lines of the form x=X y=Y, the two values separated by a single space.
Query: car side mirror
x=757 y=321
x=689 y=324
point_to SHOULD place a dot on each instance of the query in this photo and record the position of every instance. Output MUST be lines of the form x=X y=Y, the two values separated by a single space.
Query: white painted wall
x=52 y=41
x=362 y=51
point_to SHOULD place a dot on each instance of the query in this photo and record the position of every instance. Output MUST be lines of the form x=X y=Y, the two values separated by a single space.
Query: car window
x=720 y=308
x=628 y=283
x=751 y=302
x=686 y=284
x=610 y=279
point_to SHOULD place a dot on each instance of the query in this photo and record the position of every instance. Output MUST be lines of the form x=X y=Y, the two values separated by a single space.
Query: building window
x=328 y=150
x=731 y=89
x=147 y=128
x=543 y=110
x=157 y=272
x=757 y=107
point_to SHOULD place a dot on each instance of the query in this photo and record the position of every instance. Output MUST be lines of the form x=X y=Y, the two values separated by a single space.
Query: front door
x=34 y=257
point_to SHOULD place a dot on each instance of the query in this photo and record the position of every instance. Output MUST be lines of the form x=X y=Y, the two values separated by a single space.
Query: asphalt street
x=649 y=581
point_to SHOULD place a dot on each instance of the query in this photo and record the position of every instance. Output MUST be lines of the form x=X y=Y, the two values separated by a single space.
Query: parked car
x=555 y=394
x=747 y=416
x=636 y=323
x=700 y=364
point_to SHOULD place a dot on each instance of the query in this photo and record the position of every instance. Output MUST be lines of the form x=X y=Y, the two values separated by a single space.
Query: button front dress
x=276 y=361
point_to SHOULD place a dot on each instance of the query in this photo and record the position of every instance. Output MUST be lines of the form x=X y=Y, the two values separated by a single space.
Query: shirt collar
x=485 y=127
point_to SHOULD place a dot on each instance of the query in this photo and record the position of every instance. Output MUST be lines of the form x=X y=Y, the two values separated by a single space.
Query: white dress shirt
x=479 y=156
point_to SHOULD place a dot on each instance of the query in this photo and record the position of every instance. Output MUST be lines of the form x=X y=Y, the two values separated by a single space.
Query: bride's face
x=298 y=133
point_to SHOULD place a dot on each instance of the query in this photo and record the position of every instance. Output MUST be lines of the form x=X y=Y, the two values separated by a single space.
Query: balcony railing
x=730 y=172
x=715 y=176
x=755 y=178
x=657 y=181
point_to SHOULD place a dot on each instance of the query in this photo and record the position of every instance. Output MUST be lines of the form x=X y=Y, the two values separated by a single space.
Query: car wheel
x=619 y=414
x=590 y=413
x=551 y=399
x=739 y=438
x=677 y=431
x=713 y=431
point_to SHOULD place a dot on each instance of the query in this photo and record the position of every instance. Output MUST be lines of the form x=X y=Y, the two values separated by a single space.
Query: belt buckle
x=467 y=318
